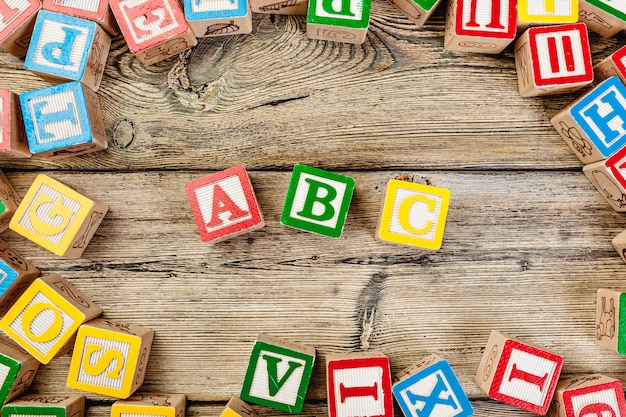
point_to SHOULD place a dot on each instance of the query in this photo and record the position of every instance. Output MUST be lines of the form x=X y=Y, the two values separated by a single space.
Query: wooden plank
x=524 y=253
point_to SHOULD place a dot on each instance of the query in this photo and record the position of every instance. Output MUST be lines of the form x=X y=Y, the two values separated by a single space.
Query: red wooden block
x=614 y=64
x=359 y=385
x=95 y=10
x=154 y=29
x=553 y=60
x=518 y=374
x=589 y=395
x=13 y=143
x=16 y=25
x=224 y=204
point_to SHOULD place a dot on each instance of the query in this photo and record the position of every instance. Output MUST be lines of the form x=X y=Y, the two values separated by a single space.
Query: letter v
x=276 y=384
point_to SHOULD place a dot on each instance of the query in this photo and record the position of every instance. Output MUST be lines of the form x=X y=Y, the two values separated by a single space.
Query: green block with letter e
x=347 y=13
x=317 y=201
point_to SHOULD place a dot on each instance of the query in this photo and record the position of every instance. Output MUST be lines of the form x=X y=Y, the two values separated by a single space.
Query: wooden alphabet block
x=46 y=405
x=603 y=16
x=278 y=374
x=483 y=26
x=66 y=48
x=518 y=373
x=236 y=407
x=13 y=143
x=9 y=202
x=224 y=204
x=95 y=10
x=17 y=371
x=413 y=214
x=16 y=274
x=214 y=18
x=154 y=29
x=619 y=243
x=359 y=385
x=608 y=177
x=612 y=65
x=594 y=125
x=110 y=358
x=590 y=395
x=553 y=60
x=63 y=120
x=417 y=11
x=430 y=389
x=44 y=320
x=611 y=320
x=345 y=21
x=545 y=12
x=150 y=405
x=317 y=201
x=57 y=218
x=284 y=7
x=16 y=25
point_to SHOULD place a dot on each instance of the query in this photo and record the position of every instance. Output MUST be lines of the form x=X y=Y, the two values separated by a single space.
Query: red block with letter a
x=359 y=385
x=154 y=29
x=519 y=374
x=553 y=60
x=224 y=204
x=17 y=20
x=589 y=395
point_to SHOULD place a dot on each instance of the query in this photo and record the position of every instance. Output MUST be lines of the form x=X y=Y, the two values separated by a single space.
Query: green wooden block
x=46 y=405
x=617 y=9
x=17 y=371
x=317 y=201
x=343 y=21
x=278 y=374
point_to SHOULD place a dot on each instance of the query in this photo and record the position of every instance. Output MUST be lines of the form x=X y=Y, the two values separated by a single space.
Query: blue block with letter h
x=431 y=390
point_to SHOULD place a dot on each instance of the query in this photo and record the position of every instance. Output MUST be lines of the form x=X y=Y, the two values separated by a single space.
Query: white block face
x=4 y=372
x=560 y=54
x=482 y=15
x=69 y=126
x=148 y=19
x=364 y=380
x=10 y=17
x=605 y=397
x=288 y=393
x=86 y=5
x=524 y=388
x=233 y=189
x=549 y=7
x=319 y=208
x=104 y=362
x=49 y=316
x=422 y=216
x=605 y=110
x=63 y=35
x=213 y=5
x=332 y=8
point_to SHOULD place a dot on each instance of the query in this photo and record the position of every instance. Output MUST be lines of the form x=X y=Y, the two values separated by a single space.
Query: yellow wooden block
x=110 y=358
x=546 y=12
x=46 y=317
x=413 y=214
x=150 y=405
x=57 y=218
x=236 y=407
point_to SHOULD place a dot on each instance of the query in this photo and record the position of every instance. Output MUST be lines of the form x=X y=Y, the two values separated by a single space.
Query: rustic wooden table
x=527 y=243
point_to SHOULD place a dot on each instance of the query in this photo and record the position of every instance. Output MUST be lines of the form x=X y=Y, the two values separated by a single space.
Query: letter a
x=222 y=203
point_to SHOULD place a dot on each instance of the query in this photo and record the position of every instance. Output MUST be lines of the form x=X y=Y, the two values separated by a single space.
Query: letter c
x=405 y=210
x=58 y=209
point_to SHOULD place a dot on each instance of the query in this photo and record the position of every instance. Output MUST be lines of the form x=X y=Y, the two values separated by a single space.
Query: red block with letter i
x=224 y=204
x=553 y=60
x=359 y=385
x=519 y=374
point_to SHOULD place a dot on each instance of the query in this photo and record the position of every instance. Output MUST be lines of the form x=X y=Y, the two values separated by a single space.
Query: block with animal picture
x=16 y=274
x=150 y=405
x=17 y=19
x=65 y=48
x=611 y=320
x=518 y=373
x=283 y=7
x=413 y=214
x=215 y=18
x=545 y=12
x=236 y=407
x=604 y=17
x=482 y=26
x=417 y=11
x=278 y=374
x=17 y=371
x=224 y=205
x=589 y=395
x=553 y=60
x=97 y=11
x=9 y=202
x=44 y=319
x=609 y=178
x=359 y=385
x=110 y=358
x=153 y=29
x=63 y=121
x=593 y=125
x=612 y=65
x=317 y=201
x=430 y=388
x=57 y=217
x=340 y=21
x=46 y=405
x=619 y=243
x=13 y=142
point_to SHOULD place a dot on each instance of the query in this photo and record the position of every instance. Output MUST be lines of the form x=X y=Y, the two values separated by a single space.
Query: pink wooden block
x=16 y=25
x=95 y=10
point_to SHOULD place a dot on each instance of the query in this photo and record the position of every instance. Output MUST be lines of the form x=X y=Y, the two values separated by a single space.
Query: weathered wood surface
x=526 y=246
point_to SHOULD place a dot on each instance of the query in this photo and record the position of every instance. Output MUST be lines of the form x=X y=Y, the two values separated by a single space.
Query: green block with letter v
x=616 y=8
x=277 y=377
x=347 y=13
x=317 y=201
x=9 y=369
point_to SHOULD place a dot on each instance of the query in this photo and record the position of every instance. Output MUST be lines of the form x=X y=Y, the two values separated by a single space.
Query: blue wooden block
x=218 y=17
x=430 y=389
x=68 y=48
x=63 y=120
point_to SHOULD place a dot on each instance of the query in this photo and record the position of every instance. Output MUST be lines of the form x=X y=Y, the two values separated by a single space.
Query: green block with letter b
x=347 y=13
x=317 y=201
